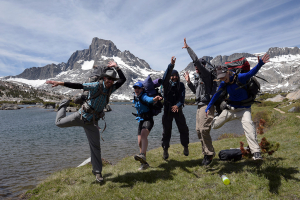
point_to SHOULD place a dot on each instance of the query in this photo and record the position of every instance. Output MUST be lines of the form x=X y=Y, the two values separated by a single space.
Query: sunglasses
x=136 y=87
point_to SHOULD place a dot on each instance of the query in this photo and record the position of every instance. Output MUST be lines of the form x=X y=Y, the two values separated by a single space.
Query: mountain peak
x=277 y=51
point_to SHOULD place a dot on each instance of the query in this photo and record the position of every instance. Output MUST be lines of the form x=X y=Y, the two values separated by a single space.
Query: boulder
x=293 y=95
x=277 y=98
x=7 y=106
x=293 y=109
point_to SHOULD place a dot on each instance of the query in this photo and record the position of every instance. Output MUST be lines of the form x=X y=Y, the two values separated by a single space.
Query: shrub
x=268 y=147
x=268 y=117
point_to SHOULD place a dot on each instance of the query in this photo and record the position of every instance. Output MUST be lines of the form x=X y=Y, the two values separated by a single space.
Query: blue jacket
x=174 y=93
x=141 y=107
x=239 y=94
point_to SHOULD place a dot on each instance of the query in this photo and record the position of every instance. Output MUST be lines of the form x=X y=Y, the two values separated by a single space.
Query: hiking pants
x=203 y=126
x=91 y=131
x=249 y=128
x=183 y=129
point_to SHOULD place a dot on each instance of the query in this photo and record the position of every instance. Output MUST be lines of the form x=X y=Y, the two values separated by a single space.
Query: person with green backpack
x=91 y=111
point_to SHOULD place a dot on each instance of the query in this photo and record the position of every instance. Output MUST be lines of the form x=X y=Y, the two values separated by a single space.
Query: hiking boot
x=99 y=178
x=186 y=151
x=207 y=160
x=144 y=166
x=141 y=157
x=257 y=156
x=64 y=103
x=165 y=154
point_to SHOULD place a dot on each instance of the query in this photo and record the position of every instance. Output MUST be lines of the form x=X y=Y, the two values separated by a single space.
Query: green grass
x=181 y=177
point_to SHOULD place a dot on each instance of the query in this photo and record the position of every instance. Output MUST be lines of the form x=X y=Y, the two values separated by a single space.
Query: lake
x=32 y=147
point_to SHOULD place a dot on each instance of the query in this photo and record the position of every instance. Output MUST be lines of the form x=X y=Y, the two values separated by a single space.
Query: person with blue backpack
x=174 y=94
x=238 y=107
x=145 y=118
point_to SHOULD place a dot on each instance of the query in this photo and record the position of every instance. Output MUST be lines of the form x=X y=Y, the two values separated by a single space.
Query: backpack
x=215 y=85
x=151 y=90
x=230 y=154
x=240 y=65
x=213 y=74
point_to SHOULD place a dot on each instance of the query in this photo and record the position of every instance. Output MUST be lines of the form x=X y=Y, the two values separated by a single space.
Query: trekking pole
x=262 y=78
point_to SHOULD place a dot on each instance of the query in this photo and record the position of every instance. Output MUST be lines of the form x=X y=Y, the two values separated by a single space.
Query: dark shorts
x=146 y=124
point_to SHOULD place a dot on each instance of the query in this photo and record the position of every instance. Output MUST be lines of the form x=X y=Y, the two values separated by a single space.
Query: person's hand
x=187 y=76
x=112 y=64
x=265 y=58
x=54 y=83
x=174 y=108
x=157 y=98
x=207 y=113
x=173 y=59
x=185 y=44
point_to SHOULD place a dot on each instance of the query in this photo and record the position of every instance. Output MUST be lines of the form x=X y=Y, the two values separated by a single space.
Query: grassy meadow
x=181 y=177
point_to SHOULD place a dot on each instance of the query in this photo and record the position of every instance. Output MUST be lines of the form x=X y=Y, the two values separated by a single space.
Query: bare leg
x=144 y=140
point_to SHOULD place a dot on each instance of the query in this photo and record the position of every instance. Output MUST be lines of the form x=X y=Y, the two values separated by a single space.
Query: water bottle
x=225 y=180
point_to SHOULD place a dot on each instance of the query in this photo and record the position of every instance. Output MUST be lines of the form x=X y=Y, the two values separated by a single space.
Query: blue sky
x=36 y=32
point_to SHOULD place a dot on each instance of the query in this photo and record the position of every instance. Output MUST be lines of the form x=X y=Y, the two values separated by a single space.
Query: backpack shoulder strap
x=100 y=91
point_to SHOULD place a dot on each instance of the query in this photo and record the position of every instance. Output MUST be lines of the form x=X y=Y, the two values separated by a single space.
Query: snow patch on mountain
x=33 y=83
x=87 y=65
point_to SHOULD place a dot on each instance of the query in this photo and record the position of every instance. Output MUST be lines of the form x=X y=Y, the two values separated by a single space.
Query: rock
x=293 y=109
x=293 y=95
x=49 y=106
x=277 y=98
x=107 y=108
x=7 y=106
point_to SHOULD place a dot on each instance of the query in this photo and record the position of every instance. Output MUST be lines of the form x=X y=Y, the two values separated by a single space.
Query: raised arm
x=244 y=77
x=168 y=72
x=189 y=83
x=204 y=72
x=122 y=79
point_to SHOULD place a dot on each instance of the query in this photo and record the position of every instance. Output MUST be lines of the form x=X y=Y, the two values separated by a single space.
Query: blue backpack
x=152 y=91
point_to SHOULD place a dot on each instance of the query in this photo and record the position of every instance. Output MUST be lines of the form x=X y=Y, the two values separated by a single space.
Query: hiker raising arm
x=243 y=77
x=91 y=111
x=238 y=105
x=174 y=94
x=203 y=87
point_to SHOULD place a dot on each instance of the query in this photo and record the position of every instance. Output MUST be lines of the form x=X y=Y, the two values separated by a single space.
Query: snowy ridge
x=282 y=72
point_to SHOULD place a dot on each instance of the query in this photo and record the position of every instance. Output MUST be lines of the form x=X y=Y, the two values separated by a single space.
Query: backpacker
x=83 y=97
x=241 y=65
x=151 y=90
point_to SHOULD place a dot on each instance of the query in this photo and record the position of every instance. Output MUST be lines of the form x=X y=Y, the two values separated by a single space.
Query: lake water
x=32 y=147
